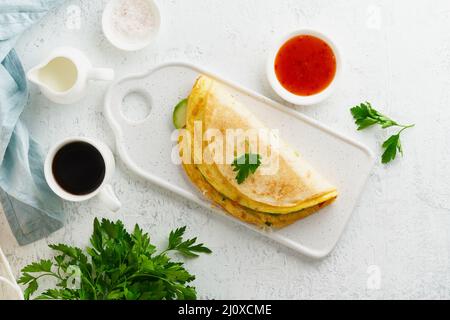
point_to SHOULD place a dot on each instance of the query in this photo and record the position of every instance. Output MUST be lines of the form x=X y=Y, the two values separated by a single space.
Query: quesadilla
x=280 y=188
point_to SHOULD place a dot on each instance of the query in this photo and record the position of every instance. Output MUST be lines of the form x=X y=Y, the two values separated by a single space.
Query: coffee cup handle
x=109 y=198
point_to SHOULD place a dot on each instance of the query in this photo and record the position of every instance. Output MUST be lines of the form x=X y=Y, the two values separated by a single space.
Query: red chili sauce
x=305 y=65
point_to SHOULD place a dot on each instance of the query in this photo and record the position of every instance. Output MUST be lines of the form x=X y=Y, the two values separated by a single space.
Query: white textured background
x=397 y=55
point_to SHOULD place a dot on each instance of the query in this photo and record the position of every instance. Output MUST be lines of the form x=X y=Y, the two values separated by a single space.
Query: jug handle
x=106 y=74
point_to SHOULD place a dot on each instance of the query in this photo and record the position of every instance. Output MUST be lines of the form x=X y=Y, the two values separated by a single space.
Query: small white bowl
x=122 y=42
x=284 y=93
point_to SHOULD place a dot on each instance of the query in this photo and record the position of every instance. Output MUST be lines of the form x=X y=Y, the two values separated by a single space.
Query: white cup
x=104 y=191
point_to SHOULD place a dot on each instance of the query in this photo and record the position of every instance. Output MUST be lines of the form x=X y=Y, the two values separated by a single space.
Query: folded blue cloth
x=32 y=209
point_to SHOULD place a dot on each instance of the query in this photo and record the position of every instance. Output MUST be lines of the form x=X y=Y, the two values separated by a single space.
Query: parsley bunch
x=245 y=165
x=117 y=266
x=365 y=116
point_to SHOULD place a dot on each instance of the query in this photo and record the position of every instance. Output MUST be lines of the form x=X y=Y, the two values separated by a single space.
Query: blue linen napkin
x=31 y=208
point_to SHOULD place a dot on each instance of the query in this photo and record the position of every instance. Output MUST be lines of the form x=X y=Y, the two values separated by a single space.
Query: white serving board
x=145 y=146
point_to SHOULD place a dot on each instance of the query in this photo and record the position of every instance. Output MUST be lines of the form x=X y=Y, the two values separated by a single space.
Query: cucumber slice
x=179 y=114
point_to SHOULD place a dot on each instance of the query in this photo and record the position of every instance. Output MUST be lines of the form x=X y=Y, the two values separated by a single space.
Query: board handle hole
x=136 y=106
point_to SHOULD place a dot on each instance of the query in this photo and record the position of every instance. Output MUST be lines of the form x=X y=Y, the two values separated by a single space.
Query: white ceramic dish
x=285 y=94
x=121 y=42
x=146 y=146
x=9 y=289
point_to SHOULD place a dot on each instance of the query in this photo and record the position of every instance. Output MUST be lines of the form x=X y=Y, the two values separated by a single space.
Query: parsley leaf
x=41 y=266
x=117 y=265
x=32 y=288
x=245 y=165
x=365 y=116
x=391 y=146
x=188 y=247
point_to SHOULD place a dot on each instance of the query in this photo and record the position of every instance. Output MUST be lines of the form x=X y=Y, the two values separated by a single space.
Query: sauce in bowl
x=305 y=65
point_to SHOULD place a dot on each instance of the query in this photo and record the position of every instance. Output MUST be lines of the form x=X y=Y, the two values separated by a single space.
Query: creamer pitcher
x=64 y=76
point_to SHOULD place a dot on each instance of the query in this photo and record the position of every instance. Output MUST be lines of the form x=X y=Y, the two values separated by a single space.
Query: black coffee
x=78 y=168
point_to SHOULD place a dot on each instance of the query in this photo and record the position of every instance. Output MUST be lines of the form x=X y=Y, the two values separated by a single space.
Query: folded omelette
x=274 y=198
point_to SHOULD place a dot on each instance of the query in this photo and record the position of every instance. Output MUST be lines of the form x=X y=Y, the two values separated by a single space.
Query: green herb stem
x=406 y=127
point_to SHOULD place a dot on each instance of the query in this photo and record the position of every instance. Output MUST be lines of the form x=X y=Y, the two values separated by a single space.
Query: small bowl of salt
x=131 y=25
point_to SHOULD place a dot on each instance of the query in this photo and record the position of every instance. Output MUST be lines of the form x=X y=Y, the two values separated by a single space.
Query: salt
x=133 y=19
